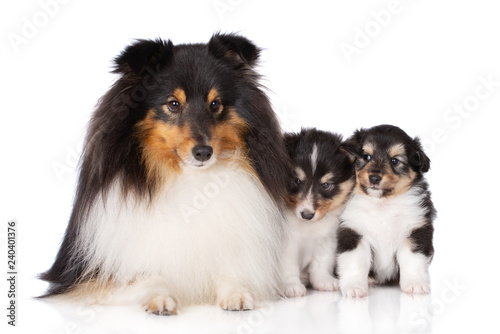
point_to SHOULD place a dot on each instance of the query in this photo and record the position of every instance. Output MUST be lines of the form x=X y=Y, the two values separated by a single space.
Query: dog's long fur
x=386 y=229
x=148 y=212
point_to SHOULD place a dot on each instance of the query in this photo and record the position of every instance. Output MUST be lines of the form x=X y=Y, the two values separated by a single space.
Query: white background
x=427 y=57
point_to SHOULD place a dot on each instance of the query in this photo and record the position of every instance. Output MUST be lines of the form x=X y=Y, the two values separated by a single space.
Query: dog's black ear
x=143 y=53
x=417 y=158
x=352 y=146
x=233 y=47
x=291 y=140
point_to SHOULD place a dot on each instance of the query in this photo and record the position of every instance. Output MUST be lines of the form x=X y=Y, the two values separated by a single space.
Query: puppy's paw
x=415 y=287
x=354 y=289
x=295 y=290
x=237 y=301
x=162 y=305
x=330 y=284
x=355 y=292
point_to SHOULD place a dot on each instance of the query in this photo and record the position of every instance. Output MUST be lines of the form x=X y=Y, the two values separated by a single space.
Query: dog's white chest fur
x=309 y=254
x=309 y=238
x=206 y=227
x=384 y=223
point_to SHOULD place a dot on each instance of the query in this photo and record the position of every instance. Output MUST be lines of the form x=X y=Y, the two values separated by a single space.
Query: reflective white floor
x=462 y=301
x=386 y=310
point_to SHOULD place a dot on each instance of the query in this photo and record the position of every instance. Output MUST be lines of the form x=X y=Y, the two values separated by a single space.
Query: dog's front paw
x=295 y=290
x=237 y=301
x=415 y=287
x=354 y=289
x=162 y=305
x=330 y=284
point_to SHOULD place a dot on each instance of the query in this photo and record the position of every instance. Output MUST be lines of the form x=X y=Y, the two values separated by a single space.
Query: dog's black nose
x=307 y=215
x=202 y=152
x=375 y=179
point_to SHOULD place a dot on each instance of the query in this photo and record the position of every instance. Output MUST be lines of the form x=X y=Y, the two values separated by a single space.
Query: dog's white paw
x=162 y=305
x=295 y=290
x=237 y=301
x=415 y=287
x=330 y=284
x=354 y=289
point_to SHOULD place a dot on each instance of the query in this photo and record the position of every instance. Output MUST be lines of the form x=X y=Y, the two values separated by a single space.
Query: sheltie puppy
x=386 y=229
x=323 y=178
x=181 y=180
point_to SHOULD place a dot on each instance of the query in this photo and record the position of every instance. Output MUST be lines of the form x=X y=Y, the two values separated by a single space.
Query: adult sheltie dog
x=180 y=183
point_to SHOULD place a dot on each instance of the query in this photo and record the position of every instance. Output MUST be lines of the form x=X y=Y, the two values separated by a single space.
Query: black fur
x=382 y=138
x=421 y=238
x=347 y=239
x=149 y=71
x=385 y=136
x=330 y=159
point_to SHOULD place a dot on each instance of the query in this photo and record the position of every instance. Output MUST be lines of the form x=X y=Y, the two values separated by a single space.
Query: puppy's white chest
x=384 y=223
x=385 y=219
x=309 y=237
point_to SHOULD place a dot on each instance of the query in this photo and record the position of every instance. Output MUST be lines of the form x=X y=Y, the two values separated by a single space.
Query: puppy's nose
x=375 y=179
x=202 y=152
x=307 y=215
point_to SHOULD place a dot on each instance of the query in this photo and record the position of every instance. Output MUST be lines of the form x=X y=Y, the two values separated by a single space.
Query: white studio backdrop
x=430 y=67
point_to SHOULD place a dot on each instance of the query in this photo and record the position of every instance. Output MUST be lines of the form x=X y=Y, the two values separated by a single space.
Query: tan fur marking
x=398 y=184
x=212 y=95
x=403 y=184
x=326 y=178
x=300 y=173
x=291 y=201
x=396 y=150
x=327 y=205
x=164 y=146
x=362 y=178
x=369 y=148
x=91 y=291
x=180 y=95
x=228 y=144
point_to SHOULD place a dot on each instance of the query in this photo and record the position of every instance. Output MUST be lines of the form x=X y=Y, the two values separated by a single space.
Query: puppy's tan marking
x=301 y=175
x=327 y=205
x=397 y=150
x=326 y=178
x=369 y=148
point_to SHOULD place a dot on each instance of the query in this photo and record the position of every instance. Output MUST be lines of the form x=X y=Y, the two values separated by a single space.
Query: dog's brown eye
x=297 y=181
x=367 y=157
x=215 y=105
x=174 y=106
x=327 y=186
x=395 y=161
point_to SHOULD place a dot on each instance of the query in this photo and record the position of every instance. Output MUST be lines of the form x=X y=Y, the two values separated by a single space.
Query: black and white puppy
x=323 y=178
x=386 y=229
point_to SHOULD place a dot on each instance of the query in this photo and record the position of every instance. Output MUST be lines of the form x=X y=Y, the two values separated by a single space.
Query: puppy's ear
x=233 y=47
x=417 y=158
x=143 y=53
x=291 y=139
x=353 y=145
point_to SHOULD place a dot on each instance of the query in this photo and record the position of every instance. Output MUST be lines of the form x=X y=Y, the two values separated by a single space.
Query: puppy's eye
x=297 y=181
x=395 y=161
x=327 y=186
x=174 y=106
x=215 y=105
x=367 y=157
